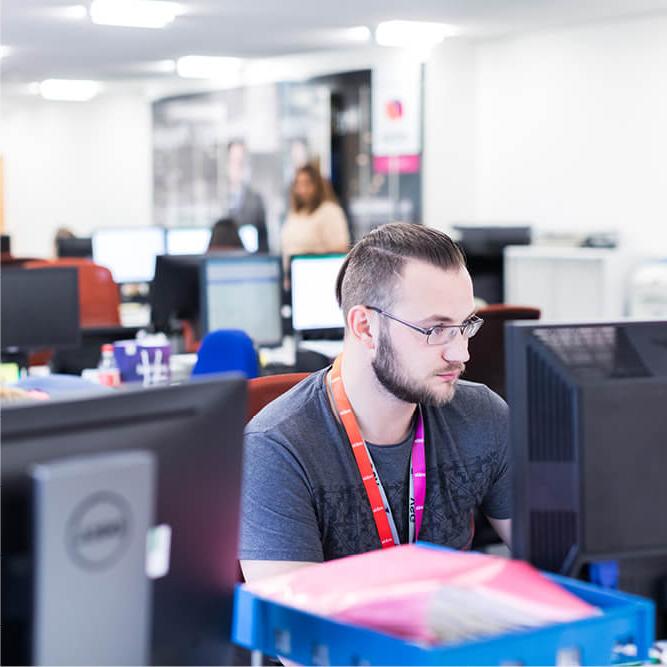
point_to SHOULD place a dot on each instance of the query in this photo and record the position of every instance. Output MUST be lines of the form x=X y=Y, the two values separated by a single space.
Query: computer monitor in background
x=5 y=244
x=175 y=290
x=589 y=448
x=315 y=312
x=243 y=292
x=187 y=564
x=129 y=252
x=40 y=308
x=187 y=240
x=75 y=247
x=484 y=247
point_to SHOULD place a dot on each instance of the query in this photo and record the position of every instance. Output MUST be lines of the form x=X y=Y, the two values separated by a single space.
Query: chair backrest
x=226 y=350
x=99 y=299
x=487 y=348
x=263 y=390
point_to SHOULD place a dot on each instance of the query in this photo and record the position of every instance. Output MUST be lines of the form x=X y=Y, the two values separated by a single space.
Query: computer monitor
x=40 y=308
x=588 y=437
x=243 y=292
x=193 y=432
x=188 y=240
x=484 y=246
x=175 y=290
x=315 y=312
x=75 y=247
x=5 y=244
x=129 y=252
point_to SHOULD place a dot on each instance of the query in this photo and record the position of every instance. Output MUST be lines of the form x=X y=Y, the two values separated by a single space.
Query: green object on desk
x=9 y=372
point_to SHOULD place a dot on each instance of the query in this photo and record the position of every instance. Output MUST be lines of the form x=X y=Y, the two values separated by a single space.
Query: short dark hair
x=370 y=271
x=225 y=235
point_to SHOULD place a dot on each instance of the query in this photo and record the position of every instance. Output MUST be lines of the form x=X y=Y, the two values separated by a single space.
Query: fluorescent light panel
x=207 y=67
x=359 y=33
x=134 y=13
x=413 y=33
x=69 y=90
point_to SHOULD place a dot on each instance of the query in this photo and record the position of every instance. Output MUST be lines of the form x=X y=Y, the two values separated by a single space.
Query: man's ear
x=359 y=326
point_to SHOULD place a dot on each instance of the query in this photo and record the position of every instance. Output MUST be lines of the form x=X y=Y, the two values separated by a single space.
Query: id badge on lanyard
x=377 y=498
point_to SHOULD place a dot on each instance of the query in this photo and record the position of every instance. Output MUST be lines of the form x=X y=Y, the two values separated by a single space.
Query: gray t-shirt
x=303 y=498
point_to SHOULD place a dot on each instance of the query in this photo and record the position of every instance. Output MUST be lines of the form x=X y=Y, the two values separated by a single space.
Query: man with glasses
x=388 y=445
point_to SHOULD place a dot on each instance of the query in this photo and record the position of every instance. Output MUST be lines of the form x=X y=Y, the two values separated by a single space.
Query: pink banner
x=398 y=164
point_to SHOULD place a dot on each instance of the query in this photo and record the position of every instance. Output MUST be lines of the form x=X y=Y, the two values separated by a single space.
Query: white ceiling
x=46 y=41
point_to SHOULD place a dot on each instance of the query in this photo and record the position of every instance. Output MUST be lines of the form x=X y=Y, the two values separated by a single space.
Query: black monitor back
x=75 y=247
x=484 y=247
x=195 y=432
x=589 y=435
x=40 y=308
x=175 y=290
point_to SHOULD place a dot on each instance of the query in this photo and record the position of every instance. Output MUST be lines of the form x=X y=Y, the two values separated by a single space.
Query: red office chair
x=263 y=390
x=487 y=348
x=99 y=299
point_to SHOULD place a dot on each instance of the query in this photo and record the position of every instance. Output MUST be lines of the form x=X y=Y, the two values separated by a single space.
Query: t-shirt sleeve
x=497 y=502
x=278 y=520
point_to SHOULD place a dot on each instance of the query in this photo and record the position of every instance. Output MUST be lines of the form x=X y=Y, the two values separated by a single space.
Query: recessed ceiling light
x=134 y=13
x=411 y=34
x=208 y=67
x=69 y=90
x=5 y=51
x=74 y=12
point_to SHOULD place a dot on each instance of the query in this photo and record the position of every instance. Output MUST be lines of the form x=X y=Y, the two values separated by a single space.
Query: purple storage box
x=145 y=361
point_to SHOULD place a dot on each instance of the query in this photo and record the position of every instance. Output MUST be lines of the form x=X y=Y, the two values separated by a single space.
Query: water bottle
x=107 y=370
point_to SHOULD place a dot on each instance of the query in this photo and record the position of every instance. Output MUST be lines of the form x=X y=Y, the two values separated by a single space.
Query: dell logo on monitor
x=98 y=532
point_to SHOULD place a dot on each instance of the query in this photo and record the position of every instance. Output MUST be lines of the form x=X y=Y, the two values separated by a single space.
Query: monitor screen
x=588 y=434
x=74 y=247
x=5 y=243
x=188 y=240
x=129 y=252
x=40 y=308
x=314 y=305
x=186 y=563
x=243 y=292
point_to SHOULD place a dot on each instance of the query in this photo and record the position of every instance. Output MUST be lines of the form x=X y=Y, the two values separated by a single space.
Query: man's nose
x=457 y=350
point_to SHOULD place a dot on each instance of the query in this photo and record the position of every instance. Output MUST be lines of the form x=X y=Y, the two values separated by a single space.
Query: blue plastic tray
x=275 y=629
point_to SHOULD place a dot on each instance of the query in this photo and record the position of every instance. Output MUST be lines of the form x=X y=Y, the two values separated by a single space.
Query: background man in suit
x=244 y=204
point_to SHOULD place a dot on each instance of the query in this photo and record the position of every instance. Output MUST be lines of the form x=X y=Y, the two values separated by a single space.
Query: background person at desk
x=315 y=223
x=439 y=444
x=225 y=236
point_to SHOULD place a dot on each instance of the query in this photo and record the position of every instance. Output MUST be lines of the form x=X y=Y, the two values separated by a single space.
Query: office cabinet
x=567 y=283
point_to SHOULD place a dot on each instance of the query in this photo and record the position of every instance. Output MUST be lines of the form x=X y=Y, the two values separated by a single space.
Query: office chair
x=487 y=348
x=487 y=365
x=263 y=390
x=226 y=350
x=99 y=299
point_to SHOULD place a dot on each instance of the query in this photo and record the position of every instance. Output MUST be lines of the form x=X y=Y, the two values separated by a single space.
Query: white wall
x=572 y=130
x=450 y=135
x=565 y=129
x=81 y=165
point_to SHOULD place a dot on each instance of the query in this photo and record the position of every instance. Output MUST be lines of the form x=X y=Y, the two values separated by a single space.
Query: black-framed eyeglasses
x=440 y=334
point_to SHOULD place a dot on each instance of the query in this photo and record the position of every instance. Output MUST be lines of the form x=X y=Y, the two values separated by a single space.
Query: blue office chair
x=226 y=350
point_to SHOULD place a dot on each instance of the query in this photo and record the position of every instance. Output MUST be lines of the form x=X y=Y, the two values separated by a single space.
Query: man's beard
x=396 y=382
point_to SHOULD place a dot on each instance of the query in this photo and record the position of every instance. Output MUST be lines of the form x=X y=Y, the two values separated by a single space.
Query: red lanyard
x=384 y=520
